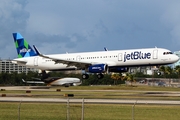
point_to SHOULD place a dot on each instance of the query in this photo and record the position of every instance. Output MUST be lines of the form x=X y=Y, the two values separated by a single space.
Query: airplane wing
x=78 y=64
x=69 y=62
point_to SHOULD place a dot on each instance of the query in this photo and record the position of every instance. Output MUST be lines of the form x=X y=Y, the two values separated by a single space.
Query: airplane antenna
x=105 y=49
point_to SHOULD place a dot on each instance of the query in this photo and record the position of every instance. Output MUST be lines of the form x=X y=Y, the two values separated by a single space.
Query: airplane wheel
x=99 y=76
x=85 y=76
x=159 y=73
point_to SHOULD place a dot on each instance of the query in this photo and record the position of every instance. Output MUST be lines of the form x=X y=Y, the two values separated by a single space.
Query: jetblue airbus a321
x=93 y=62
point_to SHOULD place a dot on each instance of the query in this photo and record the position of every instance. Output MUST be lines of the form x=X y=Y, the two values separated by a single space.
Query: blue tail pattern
x=22 y=46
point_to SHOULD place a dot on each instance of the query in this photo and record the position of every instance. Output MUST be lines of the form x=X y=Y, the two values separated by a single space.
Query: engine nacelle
x=98 y=68
x=118 y=69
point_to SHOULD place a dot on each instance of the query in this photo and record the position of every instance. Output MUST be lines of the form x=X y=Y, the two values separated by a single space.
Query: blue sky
x=59 y=26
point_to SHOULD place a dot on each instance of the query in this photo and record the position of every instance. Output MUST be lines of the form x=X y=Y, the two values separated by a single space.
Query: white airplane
x=52 y=81
x=93 y=62
x=55 y=81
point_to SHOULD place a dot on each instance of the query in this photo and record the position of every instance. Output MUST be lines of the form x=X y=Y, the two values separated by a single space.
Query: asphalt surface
x=75 y=100
x=92 y=101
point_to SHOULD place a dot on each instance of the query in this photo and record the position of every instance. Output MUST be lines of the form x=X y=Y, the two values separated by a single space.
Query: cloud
x=49 y=44
x=13 y=18
x=57 y=26
x=171 y=18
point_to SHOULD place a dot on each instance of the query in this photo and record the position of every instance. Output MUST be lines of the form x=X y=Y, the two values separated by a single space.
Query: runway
x=58 y=99
x=89 y=101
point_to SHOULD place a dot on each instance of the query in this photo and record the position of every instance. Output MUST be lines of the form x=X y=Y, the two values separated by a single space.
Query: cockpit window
x=166 y=53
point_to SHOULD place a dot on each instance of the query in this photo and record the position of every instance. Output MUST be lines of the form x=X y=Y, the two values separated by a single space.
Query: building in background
x=7 y=66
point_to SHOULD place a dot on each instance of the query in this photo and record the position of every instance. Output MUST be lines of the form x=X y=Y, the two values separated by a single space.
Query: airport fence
x=87 y=111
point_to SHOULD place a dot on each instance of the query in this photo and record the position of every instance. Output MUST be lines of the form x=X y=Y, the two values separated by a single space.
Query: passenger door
x=78 y=58
x=155 y=54
x=120 y=57
x=36 y=61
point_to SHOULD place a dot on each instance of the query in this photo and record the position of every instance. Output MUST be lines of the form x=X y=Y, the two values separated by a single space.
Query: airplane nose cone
x=78 y=80
x=176 y=58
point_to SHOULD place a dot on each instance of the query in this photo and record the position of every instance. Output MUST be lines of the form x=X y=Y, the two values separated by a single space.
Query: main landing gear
x=85 y=76
x=99 y=76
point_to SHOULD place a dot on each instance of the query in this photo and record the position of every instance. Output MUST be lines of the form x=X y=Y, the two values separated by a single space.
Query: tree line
x=109 y=79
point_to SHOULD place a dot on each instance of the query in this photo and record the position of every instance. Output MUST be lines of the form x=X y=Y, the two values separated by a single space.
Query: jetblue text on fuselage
x=136 y=55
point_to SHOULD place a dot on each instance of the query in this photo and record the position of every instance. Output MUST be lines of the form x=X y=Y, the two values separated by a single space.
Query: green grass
x=56 y=111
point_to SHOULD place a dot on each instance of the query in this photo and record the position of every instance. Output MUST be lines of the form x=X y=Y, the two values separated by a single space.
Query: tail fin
x=22 y=46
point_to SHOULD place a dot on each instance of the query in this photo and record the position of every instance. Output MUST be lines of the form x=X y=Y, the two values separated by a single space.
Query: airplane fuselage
x=120 y=58
x=66 y=82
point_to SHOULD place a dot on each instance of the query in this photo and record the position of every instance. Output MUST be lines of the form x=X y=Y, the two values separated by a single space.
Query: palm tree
x=163 y=69
x=129 y=77
x=167 y=70
x=116 y=77
x=177 y=70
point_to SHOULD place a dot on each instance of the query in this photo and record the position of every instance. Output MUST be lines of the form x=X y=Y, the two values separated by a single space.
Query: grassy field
x=58 y=111
x=55 y=111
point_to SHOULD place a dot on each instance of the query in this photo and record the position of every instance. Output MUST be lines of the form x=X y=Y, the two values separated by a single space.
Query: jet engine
x=98 y=68
x=118 y=69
